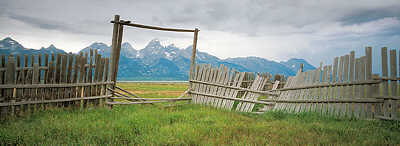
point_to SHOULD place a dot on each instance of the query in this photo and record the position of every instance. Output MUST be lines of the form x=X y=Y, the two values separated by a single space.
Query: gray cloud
x=43 y=23
x=277 y=29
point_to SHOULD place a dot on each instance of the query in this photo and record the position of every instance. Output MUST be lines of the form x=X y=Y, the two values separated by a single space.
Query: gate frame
x=117 y=41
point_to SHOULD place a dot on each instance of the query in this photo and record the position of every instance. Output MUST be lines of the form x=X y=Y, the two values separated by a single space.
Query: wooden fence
x=227 y=88
x=346 y=89
x=33 y=82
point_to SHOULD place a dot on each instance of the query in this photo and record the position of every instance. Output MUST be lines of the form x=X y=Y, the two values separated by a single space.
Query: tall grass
x=191 y=125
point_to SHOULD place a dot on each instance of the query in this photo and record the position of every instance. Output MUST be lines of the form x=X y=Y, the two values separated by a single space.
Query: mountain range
x=158 y=62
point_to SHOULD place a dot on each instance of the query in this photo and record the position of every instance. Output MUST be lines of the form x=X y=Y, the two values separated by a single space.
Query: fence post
x=193 y=59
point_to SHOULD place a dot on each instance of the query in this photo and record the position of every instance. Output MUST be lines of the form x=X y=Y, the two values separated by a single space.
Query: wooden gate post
x=113 y=47
x=192 y=61
x=114 y=56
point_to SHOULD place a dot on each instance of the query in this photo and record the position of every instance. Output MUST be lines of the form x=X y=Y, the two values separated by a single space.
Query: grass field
x=189 y=125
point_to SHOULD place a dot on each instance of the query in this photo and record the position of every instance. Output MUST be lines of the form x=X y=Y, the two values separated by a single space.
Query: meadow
x=188 y=124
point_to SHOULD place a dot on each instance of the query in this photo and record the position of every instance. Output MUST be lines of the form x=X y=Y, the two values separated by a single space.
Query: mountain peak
x=98 y=44
x=154 y=43
x=126 y=45
x=8 y=39
x=51 y=46
x=10 y=43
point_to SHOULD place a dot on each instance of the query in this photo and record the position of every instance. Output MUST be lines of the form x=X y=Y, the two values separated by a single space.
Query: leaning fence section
x=33 y=82
x=229 y=89
x=346 y=89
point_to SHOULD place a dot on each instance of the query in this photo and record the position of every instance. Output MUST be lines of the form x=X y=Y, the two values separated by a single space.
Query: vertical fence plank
x=334 y=88
x=69 y=79
x=351 y=79
x=214 y=89
x=219 y=81
x=368 y=76
x=230 y=79
x=385 y=83
x=3 y=97
x=106 y=65
x=393 y=84
x=50 y=78
x=45 y=79
x=223 y=90
x=20 y=80
x=324 y=91
x=76 y=70
x=90 y=77
x=357 y=88
x=207 y=87
x=237 y=83
x=35 y=80
x=347 y=92
x=63 y=79
x=40 y=91
x=339 y=92
x=29 y=80
x=95 y=78
x=363 y=93
x=224 y=79
x=301 y=92
x=204 y=79
x=330 y=89
x=85 y=78
x=196 y=86
x=200 y=78
x=10 y=79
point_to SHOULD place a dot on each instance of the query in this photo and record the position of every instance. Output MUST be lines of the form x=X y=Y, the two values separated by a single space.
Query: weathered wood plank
x=363 y=95
x=334 y=80
x=225 y=82
x=350 y=107
x=385 y=83
x=368 y=76
x=219 y=81
x=346 y=110
x=20 y=80
x=10 y=79
x=106 y=66
x=393 y=84
x=3 y=110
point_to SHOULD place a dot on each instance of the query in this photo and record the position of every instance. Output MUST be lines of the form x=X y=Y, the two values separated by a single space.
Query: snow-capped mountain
x=158 y=62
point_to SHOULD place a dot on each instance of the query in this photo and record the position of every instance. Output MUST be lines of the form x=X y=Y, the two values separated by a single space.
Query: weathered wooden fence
x=227 y=88
x=33 y=82
x=347 y=88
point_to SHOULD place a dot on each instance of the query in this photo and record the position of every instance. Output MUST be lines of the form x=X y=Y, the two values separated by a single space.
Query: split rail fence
x=33 y=82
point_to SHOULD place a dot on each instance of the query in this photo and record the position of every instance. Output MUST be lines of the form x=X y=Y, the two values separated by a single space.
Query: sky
x=273 y=29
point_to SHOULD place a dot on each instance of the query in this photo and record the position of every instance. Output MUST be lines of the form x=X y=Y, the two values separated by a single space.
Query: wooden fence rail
x=32 y=82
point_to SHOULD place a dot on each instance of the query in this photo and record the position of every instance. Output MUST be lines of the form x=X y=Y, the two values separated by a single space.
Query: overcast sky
x=274 y=29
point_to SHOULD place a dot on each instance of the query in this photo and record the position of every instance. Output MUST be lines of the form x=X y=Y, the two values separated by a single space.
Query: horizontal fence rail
x=34 y=82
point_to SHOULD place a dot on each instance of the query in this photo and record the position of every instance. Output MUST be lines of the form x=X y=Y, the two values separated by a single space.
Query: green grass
x=155 y=90
x=190 y=124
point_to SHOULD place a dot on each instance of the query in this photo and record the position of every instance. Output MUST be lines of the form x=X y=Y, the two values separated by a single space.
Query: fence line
x=33 y=82
x=346 y=89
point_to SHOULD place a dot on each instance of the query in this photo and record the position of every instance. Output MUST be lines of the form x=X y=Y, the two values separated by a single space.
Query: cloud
x=274 y=29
